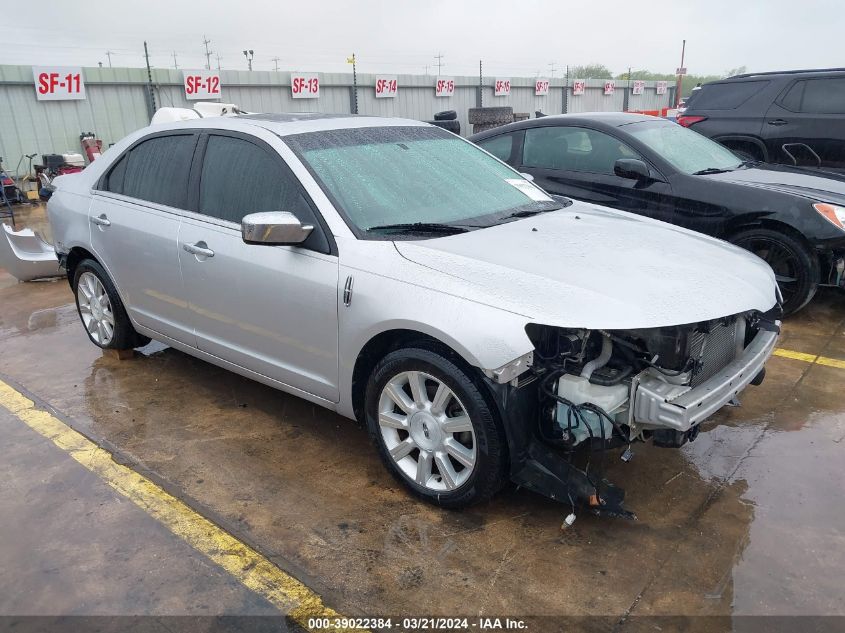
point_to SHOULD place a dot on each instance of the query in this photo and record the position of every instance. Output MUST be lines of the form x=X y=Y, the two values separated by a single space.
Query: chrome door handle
x=101 y=220
x=200 y=248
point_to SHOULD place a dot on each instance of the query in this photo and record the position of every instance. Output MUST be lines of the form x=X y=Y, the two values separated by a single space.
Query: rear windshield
x=391 y=175
x=726 y=96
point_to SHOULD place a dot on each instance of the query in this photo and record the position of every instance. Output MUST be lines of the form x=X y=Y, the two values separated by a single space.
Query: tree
x=739 y=70
x=591 y=71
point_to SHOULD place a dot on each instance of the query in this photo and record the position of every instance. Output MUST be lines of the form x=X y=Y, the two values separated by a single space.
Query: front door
x=135 y=217
x=270 y=309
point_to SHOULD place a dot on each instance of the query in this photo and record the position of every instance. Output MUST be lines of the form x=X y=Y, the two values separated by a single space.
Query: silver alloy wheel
x=95 y=308
x=427 y=431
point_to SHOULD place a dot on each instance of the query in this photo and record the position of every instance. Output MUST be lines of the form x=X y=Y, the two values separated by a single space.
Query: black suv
x=792 y=117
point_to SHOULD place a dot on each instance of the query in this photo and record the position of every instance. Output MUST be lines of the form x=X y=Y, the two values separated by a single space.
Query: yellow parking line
x=810 y=358
x=250 y=568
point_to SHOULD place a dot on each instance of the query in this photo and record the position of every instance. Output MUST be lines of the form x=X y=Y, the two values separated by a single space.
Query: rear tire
x=101 y=310
x=433 y=428
x=498 y=115
x=796 y=267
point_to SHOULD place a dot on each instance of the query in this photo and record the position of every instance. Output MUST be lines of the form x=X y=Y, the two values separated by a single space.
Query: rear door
x=806 y=125
x=270 y=309
x=135 y=217
x=578 y=163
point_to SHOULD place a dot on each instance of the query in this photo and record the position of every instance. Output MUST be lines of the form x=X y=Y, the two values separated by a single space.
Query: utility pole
x=275 y=61
x=566 y=92
x=680 y=76
x=480 y=86
x=249 y=54
x=552 y=68
x=354 y=61
x=175 y=65
x=218 y=61
x=150 y=82
x=206 y=42
x=109 y=54
x=426 y=70
x=439 y=58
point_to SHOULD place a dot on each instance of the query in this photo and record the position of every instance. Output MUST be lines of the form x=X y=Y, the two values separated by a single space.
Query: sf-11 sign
x=305 y=86
x=502 y=88
x=541 y=87
x=201 y=84
x=386 y=86
x=578 y=87
x=444 y=87
x=638 y=88
x=661 y=87
x=58 y=83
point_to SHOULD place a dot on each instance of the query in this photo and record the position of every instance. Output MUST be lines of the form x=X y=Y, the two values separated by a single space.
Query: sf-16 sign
x=386 y=86
x=502 y=88
x=201 y=84
x=305 y=86
x=58 y=83
x=444 y=87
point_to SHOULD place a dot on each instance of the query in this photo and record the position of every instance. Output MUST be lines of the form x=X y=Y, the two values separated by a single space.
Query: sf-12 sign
x=661 y=87
x=578 y=87
x=638 y=87
x=305 y=86
x=444 y=87
x=58 y=83
x=609 y=87
x=386 y=86
x=201 y=84
x=541 y=87
x=502 y=88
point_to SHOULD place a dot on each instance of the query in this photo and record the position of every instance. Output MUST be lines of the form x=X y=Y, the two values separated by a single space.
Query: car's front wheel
x=434 y=429
x=101 y=310
x=795 y=266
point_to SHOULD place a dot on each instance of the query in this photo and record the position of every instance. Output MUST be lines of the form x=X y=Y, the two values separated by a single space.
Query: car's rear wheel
x=101 y=310
x=434 y=429
x=795 y=266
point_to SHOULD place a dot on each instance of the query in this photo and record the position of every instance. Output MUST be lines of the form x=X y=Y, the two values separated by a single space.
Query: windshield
x=688 y=151
x=390 y=176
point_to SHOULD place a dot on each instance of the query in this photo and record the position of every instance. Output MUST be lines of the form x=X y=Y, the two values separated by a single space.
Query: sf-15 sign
x=58 y=83
x=386 y=86
x=305 y=86
x=445 y=87
x=201 y=84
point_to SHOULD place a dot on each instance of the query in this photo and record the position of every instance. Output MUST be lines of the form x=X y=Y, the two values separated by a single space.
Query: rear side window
x=239 y=177
x=816 y=96
x=500 y=146
x=157 y=170
x=114 y=181
x=726 y=96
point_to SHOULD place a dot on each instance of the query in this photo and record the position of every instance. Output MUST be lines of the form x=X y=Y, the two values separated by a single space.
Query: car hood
x=592 y=267
x=812 y=184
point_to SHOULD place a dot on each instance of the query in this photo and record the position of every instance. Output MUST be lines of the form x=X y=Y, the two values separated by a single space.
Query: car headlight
x=832 y=213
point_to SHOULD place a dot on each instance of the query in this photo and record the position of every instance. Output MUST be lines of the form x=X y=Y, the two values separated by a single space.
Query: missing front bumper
x=660 y=404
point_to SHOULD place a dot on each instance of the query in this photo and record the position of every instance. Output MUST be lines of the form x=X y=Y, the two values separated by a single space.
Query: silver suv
x=395 y=273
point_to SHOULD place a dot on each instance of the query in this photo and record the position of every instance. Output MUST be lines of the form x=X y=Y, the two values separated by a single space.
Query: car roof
x=777 y=74
x=285 y=124
x=593 y=119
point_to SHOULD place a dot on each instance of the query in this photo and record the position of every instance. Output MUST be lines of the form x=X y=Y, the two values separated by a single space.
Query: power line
x=439 y=58
x=275 y=61
x=109 y=54
x=218 y=61
x=206 y=42
x=175 y=65
x=552 y=68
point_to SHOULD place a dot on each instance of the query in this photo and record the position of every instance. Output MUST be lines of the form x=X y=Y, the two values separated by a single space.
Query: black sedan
x=792 y=218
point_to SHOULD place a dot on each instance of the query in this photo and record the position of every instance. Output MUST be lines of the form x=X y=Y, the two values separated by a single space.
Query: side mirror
x=527 y=177
x=274 y=228
x=631 y=168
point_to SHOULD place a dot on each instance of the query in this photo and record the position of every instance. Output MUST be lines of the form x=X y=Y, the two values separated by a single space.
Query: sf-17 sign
x=578 y=87
x=502 y=88
x=386 y=86
x=58 y=83
x=444 y=87
x=201 y=84
x=541 y=87
x=305 y=86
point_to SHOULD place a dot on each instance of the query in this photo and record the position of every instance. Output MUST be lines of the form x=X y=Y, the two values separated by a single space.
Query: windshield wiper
x=711 y=170
x=420 y=227
x=527 y=213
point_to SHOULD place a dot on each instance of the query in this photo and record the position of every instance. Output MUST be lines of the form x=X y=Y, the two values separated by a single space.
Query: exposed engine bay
x=598 y=389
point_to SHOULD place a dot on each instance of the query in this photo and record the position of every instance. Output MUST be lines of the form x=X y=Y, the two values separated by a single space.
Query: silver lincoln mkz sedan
x=393 y=272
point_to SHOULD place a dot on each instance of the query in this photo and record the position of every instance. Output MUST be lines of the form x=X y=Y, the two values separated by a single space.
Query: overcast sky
x=512 y=37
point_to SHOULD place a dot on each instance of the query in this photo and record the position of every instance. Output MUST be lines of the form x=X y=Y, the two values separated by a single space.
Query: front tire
x=795 y=266
x=101 y=310
x=433 y=428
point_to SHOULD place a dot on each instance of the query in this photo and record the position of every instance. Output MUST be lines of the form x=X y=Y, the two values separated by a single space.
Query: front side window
x=157 y=170
x=239 y=177
x=573 y=149
x=401 y=175
x=688 y=151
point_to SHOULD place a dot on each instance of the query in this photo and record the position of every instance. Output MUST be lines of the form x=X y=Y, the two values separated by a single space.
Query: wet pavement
x=747 y=520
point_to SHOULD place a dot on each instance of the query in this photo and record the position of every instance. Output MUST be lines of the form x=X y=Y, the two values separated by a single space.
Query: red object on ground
x=93 y=146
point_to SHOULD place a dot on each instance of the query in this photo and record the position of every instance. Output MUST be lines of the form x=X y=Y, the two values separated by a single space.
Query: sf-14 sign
x=386 y=86
x=58 y=83
x=201 y=84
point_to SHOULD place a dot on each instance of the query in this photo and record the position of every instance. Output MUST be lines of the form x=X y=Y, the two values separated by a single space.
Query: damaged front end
x=586 y=391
